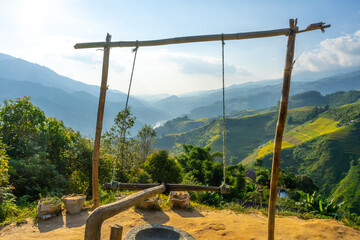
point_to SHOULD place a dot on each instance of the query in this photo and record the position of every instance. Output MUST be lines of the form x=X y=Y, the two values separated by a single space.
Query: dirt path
x=201 y=225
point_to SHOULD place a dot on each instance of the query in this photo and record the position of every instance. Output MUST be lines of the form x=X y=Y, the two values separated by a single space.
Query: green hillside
x=180 y=124
x=301 y=134
x=314 y=98
x=249 y=136
x=348 y=189
x=243 y=135
x=328 y=153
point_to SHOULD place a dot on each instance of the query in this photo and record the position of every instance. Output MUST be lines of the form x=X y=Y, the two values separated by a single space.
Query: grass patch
x=21 y=213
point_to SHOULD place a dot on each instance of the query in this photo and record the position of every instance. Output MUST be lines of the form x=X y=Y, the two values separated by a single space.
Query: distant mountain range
x=76 y=103
x=252 y=96
x=73 y=102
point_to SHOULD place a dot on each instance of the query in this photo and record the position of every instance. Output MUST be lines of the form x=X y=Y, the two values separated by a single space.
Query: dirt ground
x=203 y=224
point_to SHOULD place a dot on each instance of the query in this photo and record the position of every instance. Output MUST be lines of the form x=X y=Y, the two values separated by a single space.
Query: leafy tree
x=263 y=177
x=162 y=169
x=80 y=164
x=200 y=163
x=116 y=138
x=235 y=177
x=34 y=176
x=4 y=158
x=58 y=143
x=146 y=137
x=139 y=175
x=21 y=124
x=305 y=183
x=288 y=180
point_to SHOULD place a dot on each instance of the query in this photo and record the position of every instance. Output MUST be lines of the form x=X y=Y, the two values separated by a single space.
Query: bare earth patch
x=203 y=224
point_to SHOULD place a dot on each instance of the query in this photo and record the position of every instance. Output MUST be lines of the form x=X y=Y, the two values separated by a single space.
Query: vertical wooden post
x=280 y=128
x=99 y=121
x=116 y=232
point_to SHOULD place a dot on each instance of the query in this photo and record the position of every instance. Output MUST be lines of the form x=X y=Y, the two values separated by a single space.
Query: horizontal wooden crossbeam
x=201 y=38
x=169 y=187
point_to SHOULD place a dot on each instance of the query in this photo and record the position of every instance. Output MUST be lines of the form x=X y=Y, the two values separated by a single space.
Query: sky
x=45 y=31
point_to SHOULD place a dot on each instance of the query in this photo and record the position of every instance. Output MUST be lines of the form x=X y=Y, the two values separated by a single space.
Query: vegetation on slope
x=348 y=189
x=55 y=160
x=180 y=124
x=320 y=141
x=248 y=132
x=329 y=159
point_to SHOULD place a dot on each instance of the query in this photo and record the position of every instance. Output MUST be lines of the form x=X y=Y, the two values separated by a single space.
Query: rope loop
x=224 y=188
x=136 y=46
x=115 y=184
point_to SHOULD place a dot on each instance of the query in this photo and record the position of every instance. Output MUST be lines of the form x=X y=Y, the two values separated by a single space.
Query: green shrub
x=320 y=205
x=163 y=169
x=34 y=176
x=8 y=207
x=210 y=198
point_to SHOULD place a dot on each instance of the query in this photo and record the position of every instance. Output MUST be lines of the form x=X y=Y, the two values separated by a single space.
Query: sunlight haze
x=45 y=32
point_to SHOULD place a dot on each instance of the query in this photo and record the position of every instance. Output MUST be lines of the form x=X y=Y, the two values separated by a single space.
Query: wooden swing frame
x=93 y=225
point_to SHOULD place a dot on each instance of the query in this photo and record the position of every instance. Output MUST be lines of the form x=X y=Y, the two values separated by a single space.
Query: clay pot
x=74 y=203
x=48 y=209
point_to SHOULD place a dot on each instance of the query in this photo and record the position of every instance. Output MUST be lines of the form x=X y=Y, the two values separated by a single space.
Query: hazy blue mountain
x=151 y=98
x=253 y=96
x=21 y=70
x=73 y=102
x=76 y=102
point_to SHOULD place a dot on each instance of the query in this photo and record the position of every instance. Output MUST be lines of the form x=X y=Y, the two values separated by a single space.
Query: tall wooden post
x=280 y=127
x=99 y=122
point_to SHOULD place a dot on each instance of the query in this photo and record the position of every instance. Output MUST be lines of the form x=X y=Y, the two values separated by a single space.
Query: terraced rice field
x=349 y=137
x=319 y=127
x=269 y=147
x=302 y=134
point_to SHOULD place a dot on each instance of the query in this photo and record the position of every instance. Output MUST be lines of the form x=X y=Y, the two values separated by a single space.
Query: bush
x=305 y=183
x=139 y=175
x=78 y=183
x=210 y=198
x=8 y=207
x=162 y=169
x=34 y=176
x=320 y=205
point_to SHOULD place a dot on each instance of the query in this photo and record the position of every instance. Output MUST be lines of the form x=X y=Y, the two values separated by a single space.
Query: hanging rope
x=114 y=183
x=223 y=185
x=132 y=73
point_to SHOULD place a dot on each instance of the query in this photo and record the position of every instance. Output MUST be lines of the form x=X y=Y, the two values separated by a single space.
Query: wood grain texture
x=100 y=214
x=280 y=128
x=201 y=38
x=99 y=121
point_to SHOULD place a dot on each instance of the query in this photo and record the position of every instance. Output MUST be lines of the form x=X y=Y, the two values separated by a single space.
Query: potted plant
x=48 y=207
x=73 y=202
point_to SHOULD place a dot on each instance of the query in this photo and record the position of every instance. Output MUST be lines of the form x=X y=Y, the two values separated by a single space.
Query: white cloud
x=333 y=53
